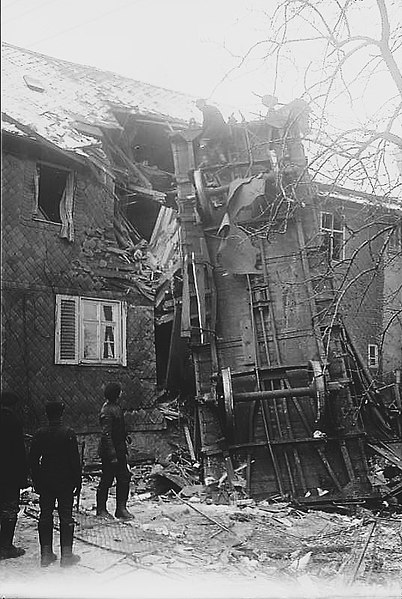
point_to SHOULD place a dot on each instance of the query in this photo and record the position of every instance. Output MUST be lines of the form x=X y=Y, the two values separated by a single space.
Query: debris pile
x=175 y=476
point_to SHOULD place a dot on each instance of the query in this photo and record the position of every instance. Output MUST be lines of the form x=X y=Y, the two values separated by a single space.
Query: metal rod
x=287 y=462
x=198 y=298
x=296 y=456
x=266 y=427
x=268 y=369
x=306 y=440
x=296 y=392
x=310 y=291
x=264 y=333
x=271 y=314
x=215 y=167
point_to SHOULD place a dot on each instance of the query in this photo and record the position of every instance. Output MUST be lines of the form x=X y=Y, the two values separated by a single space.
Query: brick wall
x=358 y=277
x=36 y=265
x=392 y=348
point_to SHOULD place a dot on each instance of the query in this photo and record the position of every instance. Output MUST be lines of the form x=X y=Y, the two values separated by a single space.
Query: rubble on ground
x=175 y=531
x=182 y=524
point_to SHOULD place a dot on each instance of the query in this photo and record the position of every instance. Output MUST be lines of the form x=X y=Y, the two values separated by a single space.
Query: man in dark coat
x=56 y=476
x=13 y=474
x=113 y=453
x=215 y=132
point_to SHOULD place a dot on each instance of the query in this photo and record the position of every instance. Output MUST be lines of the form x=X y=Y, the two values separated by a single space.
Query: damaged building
x=285 y=304
x=87 y=165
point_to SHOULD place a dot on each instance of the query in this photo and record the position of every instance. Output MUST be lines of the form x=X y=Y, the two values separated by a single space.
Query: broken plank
x=189 y=443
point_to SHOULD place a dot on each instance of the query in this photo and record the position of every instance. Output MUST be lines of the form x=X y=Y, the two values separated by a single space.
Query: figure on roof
x=289 y=123
x=215 y=134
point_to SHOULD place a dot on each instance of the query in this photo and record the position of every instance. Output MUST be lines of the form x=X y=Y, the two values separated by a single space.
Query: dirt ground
x=176 y=547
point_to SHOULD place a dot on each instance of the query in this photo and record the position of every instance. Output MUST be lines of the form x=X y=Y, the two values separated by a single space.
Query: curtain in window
x=66 y=210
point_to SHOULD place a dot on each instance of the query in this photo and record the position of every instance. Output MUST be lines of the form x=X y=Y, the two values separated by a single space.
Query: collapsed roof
x=69 y=104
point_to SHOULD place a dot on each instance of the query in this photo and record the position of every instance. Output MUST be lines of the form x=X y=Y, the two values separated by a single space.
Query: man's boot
x=122 y=491
x=47 y=556
x=68 y=558
x=7 y=549
x=101 y=500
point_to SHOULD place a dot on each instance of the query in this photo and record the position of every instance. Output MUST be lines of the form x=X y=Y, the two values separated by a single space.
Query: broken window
x=54 y=193
x=372 y=355
x=90 y=331
x=332 y=231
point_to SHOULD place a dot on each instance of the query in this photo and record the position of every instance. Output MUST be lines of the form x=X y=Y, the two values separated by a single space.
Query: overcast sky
x=191 y=46
x=186 y=45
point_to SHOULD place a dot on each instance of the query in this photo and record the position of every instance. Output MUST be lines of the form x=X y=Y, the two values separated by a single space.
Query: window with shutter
x=90 y=331
x=67 y=329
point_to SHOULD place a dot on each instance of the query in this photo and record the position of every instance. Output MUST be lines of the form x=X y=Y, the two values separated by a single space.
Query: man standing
x=215 y=132
x=56 y=476
x=113 y=453
x=13 y=474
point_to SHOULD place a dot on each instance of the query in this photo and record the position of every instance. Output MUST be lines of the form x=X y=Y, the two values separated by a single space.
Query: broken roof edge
x=146 y=116
x=343 y=193
x=29 y=134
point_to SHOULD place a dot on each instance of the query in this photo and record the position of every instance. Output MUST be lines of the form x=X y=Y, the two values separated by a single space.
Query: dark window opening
x=163 y=335
x=52 y=183
x=173 y=362
x=142 y=214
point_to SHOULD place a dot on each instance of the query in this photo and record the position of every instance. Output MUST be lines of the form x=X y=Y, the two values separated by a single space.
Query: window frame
x=372 y=360
x=79 y=328
x=330 y=231
x=38 y=212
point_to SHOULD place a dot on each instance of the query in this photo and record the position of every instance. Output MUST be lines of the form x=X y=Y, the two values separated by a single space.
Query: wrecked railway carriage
x=275 y=327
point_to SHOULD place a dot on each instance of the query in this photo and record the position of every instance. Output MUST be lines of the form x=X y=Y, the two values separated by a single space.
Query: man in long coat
x=56 y=476
x=13 y=474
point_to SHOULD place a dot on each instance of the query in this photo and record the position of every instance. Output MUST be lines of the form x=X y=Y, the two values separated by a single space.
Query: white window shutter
x=67 y=330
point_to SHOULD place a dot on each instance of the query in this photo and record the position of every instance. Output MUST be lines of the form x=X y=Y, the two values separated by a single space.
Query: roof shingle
x=74 y=92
